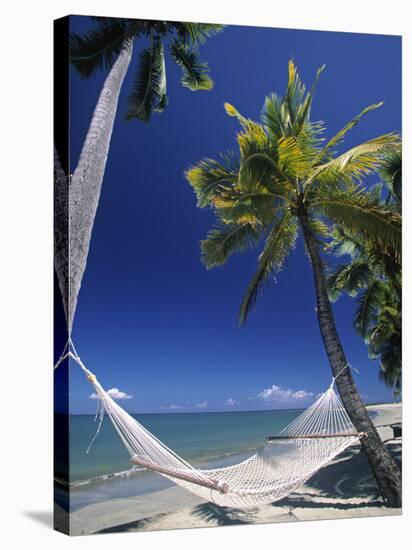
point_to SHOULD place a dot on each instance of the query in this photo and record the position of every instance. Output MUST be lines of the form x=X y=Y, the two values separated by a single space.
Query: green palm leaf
x=224 y=240
x=98 y=48
x=355 y=163
x=333 y=142
x=303 y=113
x=195 y=74
x=358 y=215
x=279 y=183
x=294 y=97
x=208 y=179
x=391 y=173
x=272 y=116
x=349 y=278
x=278 y=245
x=149 y=89
x=366 y=313
x=198 y=33
x=294 y=160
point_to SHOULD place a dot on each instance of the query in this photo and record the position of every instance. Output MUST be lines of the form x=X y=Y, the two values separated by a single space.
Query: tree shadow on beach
x=334 y=486
x=131 y=525
x=222 y=515
x=337 y=484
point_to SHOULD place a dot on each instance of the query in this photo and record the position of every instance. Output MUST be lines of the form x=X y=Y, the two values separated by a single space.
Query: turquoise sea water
x=198 y=437
x=201 y=438
x=212 y=439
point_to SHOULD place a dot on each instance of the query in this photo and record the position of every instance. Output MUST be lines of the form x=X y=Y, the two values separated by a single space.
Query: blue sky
x=151 y=321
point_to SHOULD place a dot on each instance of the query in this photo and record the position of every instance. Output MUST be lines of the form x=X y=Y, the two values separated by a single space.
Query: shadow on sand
x=335 y=486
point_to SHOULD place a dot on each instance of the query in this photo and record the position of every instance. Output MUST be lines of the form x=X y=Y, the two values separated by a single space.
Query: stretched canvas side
x=61 y=375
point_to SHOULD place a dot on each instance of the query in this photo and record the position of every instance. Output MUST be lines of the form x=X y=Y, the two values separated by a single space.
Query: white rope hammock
x=281 y=466
x=287 y=460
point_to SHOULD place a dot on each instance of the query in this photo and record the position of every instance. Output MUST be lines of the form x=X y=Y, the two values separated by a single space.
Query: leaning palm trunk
x=386 y=471
x=86 y=182
x=61 y=230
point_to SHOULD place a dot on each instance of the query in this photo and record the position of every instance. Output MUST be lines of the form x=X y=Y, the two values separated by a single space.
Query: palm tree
x=109 y=46
x=376 y=278
x=286 y=180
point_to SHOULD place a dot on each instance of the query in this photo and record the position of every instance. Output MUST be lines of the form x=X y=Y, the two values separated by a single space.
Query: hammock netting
x=284 y=463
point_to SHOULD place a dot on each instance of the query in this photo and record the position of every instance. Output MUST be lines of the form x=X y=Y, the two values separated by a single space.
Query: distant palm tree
x=109 y=46
x=285 y=181
x=376 y=277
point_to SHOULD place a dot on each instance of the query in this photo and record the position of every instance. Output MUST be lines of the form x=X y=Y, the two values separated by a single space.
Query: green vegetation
x=375 y=277
x=100 y=47
x=287 y=179
x=109 y=46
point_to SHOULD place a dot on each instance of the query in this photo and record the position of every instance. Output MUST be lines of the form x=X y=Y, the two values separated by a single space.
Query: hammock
x=287 y=460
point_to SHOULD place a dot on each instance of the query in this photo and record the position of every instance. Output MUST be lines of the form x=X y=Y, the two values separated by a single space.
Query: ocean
x=204 y=439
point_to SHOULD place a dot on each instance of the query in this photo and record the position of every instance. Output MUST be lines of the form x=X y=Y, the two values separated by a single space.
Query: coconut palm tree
x=109 y=46
x=285 y=181
x=375 y=277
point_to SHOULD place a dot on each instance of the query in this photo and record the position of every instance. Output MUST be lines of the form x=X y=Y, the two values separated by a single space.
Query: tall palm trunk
x=85 y=185
x=61 y=228
x=384 y=467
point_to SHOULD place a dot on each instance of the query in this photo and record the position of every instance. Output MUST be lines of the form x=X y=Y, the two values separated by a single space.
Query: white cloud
x=231 y=402
x=202 y=405
x=171 y=407
x=276 y=393
x=115 y=393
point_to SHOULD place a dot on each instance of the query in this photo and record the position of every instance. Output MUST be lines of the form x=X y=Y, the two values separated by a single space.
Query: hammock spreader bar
x=315 y=436
x=303 y=447
x=184 y=476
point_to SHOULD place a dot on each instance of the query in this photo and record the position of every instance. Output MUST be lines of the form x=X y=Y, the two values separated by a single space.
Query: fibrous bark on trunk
x=384 y=467
x=61 y=229
x=84 y=186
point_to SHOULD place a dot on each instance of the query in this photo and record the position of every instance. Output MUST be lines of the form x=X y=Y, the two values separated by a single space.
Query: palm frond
x=303 y=113
x=149 y=88
x=195 y=73
x=335 y=290
x=333 y=142
x=357 y=214
x=224 y=240
x=294 y=96
x=355 y=163
x=368 y=305
x=391 y=371
x=391 y=173
x=278 y=245
x=197 y=33
x=294 y=160
x=208 y=179
x=272 y=116
x=98 y=48
x=345 y=244
x=249 y=126
x=259 y=168
x=349 y=278
x=320 y=229
x=235 y=205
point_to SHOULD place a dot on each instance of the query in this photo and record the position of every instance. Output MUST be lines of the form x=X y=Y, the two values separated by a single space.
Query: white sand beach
x=343 y=489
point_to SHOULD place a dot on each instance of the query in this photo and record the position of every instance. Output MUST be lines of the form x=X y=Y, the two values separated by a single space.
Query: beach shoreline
x=343 y=489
